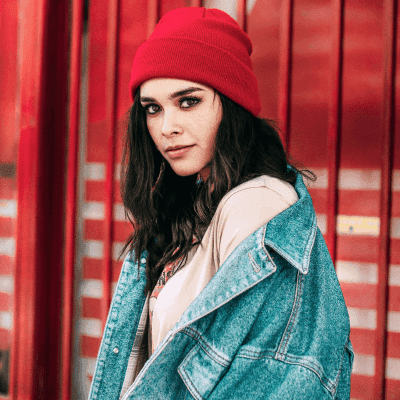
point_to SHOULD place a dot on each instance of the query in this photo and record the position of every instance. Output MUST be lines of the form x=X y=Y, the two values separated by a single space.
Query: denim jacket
x=271 y=324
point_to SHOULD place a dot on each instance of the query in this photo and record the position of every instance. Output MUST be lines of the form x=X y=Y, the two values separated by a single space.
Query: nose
x=171 y=123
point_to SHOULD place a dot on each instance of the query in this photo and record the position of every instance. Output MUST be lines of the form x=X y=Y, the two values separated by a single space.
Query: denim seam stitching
x=207 y=348
x=336 y=382
x=185 y=377
x=255 y=354
x=295 y=360
x=310 y=243
x=173 y=333
x=253 y=263
x=296 y=311
x=285 y=338
x=325 y=381
x=107 y=334
x=265 y=248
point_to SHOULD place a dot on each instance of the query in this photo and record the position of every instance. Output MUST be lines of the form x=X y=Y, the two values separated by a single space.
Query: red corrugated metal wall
x=328 y=72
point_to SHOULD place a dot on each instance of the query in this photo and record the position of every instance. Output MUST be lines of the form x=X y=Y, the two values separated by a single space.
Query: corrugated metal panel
x=40 y=111
x=322 y=75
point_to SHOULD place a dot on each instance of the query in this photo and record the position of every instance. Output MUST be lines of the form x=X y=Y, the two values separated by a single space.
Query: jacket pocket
x=201 y=370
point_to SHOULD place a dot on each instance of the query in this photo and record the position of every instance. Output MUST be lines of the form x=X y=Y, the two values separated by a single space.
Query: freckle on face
x=184 y=123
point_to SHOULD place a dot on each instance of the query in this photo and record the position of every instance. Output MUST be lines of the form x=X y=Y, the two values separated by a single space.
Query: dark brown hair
x=167 y=210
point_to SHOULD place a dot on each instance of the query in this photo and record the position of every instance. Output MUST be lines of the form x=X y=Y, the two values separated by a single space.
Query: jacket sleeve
x=343 y=390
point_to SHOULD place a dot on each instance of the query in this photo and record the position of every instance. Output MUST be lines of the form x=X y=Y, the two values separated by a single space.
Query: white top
x=240 y=213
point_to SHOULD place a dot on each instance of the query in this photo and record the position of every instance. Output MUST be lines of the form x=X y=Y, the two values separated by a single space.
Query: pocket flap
x=201 y=372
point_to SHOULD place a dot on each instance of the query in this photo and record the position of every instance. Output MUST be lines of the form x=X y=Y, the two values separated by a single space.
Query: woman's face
x=183 y=118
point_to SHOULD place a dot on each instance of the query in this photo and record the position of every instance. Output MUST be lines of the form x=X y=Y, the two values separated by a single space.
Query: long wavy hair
x=166 y=210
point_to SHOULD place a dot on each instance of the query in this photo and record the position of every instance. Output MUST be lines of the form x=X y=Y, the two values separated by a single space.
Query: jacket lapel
x=248 y=264
x=291 y=234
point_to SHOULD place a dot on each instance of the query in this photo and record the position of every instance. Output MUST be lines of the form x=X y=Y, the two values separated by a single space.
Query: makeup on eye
x=190 y=101
x=148 y=107
x=184 y=103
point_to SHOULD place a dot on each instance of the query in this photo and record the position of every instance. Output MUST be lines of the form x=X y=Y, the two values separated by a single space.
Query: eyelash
x=195 y=101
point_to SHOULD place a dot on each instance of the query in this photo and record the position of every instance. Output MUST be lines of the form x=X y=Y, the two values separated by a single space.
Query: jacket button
x=116 y=350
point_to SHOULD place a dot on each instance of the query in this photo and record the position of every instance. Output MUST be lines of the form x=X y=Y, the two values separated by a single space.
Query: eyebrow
x=173 y=95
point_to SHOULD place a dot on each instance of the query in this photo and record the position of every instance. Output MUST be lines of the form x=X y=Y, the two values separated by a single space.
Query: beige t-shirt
x=240 y=213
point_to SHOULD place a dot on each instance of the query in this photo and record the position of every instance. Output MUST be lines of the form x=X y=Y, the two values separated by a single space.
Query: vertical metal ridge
x=242 y=14
x=71 y=195
x=334 y=123
x=111 y=103
x=43 y=64
x=196 y=3
x=388 y=120
x=30 y=27
x=153 y=15
x=285 y=69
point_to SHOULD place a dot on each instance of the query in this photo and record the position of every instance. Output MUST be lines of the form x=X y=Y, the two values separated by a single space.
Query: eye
x=188 y=102
x=151 y=109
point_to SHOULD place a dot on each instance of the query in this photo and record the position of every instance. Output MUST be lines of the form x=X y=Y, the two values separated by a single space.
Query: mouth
x=177 y=151
x=173 y=148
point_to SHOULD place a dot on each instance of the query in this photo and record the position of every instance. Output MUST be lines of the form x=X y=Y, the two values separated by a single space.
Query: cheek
x=152 y=128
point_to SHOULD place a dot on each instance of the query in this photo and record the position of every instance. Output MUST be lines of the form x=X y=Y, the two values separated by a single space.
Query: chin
x=185 y=171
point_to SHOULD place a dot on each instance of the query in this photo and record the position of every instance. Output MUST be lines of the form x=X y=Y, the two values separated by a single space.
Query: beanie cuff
x=196 y=61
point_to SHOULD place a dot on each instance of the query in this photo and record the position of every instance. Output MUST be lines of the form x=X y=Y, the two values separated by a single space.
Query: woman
x=228 y=291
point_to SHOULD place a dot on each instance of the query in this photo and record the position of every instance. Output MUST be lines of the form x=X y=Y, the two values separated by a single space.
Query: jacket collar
x=291 y=234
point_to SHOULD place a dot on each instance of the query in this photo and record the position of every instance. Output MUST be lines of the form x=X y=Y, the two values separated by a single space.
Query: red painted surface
x=94 y=229
x=94 y=191
x=71 y=196
x=393 y=348
x=334 y=124
x=335 y=115
x=92 y=268
x=121 y=230
x=89 y=346
x=389 y=46
x=8 y=186
x=36 y=358
x=362 y=387
x=394 y=298
x=91 y=308
x=359 y=295
x=242 y=15
x=363 y=340
x=285 y=69
x=6 y=265
x=111 y=98
x=8 y=155
x=5 y=302
x=263 y=28
x=6 y=227
x=8 y=64
x=5 y=338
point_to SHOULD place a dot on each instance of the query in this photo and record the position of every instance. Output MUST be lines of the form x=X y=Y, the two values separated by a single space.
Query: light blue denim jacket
x=271 y=324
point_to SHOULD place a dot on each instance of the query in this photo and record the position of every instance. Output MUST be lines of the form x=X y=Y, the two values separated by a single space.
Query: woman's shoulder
x=247 y=207
x=264 y=188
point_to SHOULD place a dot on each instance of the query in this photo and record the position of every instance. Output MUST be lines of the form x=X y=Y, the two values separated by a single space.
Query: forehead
x=167 y=86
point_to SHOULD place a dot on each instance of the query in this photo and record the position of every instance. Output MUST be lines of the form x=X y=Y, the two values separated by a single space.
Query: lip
x=178 y=151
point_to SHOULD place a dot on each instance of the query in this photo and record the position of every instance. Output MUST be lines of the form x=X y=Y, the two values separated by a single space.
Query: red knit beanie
x=200 y=45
